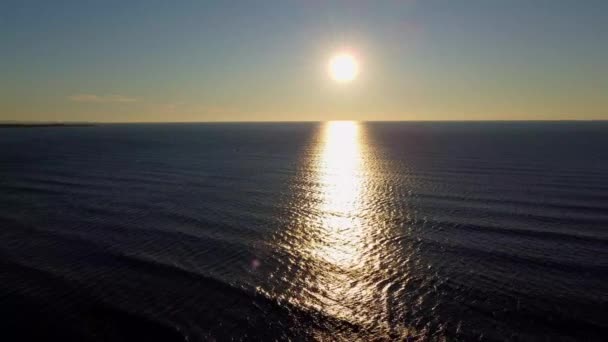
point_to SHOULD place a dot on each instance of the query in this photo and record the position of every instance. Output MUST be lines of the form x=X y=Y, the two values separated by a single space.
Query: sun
x=343 y=67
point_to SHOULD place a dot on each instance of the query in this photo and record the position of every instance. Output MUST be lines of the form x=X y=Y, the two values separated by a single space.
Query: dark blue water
x=307 y=231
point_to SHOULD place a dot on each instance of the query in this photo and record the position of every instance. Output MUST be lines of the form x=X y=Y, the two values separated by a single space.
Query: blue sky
x=266 y=60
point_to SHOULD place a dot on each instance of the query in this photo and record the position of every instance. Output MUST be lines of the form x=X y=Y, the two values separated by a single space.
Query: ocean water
x=305 y=231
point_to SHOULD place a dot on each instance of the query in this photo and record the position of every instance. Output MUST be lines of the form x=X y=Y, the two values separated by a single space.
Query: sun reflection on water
x=340 y=178
x=339 y=254
x=333 y=239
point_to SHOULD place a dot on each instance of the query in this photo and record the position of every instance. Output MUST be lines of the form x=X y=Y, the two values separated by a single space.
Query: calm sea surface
x=307 y=231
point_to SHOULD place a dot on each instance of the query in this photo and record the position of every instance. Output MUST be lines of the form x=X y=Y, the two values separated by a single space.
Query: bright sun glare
x=343 y=67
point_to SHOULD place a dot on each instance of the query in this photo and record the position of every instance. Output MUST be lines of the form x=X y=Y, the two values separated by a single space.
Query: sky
x=180 y=61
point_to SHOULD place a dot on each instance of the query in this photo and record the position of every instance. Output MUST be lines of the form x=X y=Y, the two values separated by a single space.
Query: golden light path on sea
x=341 y=180
x=337 y=237
x=336 y=255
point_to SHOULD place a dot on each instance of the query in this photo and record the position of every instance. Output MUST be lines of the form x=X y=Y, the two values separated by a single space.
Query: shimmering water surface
x=332 y=231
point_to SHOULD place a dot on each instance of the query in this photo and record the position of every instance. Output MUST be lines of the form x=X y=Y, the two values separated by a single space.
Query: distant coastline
x=50 y=124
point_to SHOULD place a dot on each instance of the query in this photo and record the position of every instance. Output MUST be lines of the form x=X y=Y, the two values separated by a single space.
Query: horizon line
x=16 y=122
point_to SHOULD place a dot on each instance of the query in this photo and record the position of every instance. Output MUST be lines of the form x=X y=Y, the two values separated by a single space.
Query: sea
x=317 y=231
